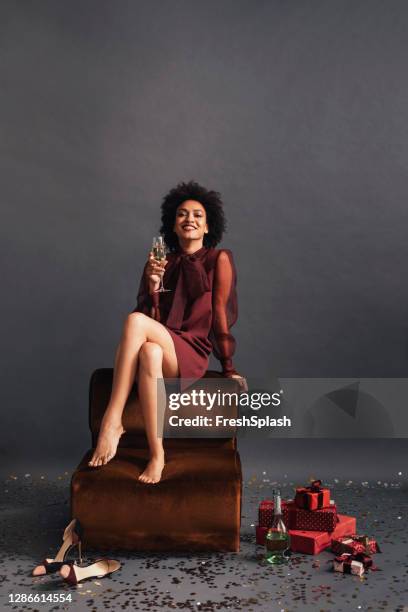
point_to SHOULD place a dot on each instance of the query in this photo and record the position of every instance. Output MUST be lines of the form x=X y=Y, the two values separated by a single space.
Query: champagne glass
x=159 y=253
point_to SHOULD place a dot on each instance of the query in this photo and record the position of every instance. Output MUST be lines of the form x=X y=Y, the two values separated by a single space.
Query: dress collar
x=192 y=256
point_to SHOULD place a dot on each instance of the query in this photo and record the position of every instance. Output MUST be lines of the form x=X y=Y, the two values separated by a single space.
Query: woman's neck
x=190 y=246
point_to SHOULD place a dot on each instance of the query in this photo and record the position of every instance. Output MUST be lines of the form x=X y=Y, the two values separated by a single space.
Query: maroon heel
x=71 y=538
x=71 y=578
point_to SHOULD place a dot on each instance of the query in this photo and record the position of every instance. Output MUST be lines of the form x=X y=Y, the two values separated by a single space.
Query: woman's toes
x=39 y=570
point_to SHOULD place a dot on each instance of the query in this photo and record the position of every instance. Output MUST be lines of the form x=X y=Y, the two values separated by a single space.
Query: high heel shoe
x=71 y=538
x=73 y=574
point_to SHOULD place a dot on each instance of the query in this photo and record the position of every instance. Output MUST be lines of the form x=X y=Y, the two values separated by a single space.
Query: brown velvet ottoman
x=195 y=507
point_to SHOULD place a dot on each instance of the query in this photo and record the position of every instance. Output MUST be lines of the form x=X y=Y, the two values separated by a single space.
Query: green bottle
x=277 y=540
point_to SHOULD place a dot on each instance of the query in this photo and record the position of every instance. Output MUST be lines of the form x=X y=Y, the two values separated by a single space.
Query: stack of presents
x=314 y=525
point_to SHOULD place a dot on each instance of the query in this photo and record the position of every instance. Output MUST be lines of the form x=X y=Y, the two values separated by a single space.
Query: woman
x=172 y=334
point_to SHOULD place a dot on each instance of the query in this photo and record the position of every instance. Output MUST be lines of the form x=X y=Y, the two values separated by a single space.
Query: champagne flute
x=159 y=253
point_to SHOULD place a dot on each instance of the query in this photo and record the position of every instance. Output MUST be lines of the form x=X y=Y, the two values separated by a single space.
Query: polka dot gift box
x=325 y=519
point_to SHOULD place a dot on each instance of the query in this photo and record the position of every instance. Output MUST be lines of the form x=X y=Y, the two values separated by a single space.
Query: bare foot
x=153 y=471
x=108 y=441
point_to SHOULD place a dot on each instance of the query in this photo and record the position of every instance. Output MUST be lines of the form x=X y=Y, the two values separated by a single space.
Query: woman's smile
x=191 y=221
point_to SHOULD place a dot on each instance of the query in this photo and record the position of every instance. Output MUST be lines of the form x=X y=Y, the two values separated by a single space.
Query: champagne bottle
x=277 y=540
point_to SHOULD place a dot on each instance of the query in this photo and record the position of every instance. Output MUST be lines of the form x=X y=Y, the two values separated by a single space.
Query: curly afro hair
x=211 y=200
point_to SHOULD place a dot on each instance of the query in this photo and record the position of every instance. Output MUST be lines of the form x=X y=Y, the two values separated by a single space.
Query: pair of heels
x=71 y=572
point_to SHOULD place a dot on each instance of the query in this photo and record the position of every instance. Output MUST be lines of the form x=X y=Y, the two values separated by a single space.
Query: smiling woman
x=171 y=334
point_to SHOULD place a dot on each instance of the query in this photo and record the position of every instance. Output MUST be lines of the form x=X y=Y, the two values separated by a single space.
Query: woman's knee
x=151 y=356
x=135 y=322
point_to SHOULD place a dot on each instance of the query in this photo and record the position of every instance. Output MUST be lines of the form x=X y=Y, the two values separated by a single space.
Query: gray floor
x=34 y=511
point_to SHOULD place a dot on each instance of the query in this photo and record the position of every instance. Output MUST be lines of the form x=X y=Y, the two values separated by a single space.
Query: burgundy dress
x=199 y=310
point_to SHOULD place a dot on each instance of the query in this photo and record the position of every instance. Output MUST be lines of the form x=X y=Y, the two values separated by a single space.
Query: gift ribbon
x=367 y=542
x=315 y=487
x=306 y=498
x=364 y=541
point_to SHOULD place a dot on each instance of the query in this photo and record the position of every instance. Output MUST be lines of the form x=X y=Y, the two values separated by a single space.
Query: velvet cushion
x=196 y=505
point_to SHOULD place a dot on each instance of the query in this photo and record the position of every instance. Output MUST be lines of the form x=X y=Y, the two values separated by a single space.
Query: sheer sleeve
x=225 y=311
x=146 y=303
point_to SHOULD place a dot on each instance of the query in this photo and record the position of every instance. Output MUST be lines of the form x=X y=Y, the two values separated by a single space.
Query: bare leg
x=137 y=330
x=150 y=370
x=154 y=364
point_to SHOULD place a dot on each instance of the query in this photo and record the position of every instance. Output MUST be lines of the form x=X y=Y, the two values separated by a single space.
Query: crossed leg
x=146 y=350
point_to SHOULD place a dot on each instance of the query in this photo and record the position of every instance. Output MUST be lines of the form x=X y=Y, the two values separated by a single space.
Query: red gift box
x=313 y=542
x=355 y=544
x=261 y=534
x=325 y=519
x=313 y=497
x=297 y=518
x=265 y=513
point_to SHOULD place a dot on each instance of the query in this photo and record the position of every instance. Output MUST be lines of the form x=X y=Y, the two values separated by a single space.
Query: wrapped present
x=355 y=544
x=265 y=513
x=313 y=542
x=348 y=565
x=313 y=497
x=324 y=519
x=261 y=534
x=353 y=564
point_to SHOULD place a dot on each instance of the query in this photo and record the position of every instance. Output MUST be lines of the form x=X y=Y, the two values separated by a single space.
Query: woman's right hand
x=154 y=270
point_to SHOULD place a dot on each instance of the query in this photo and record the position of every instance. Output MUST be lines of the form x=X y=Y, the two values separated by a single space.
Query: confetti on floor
x=34 y=511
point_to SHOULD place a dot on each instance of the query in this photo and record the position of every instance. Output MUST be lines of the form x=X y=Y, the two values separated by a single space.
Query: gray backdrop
x=296 y=111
